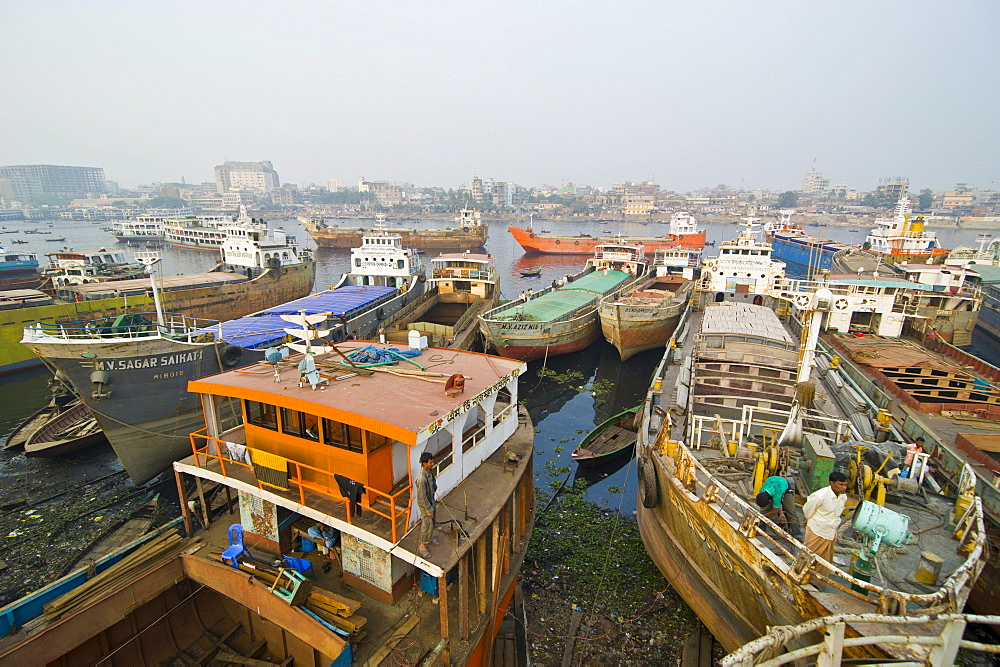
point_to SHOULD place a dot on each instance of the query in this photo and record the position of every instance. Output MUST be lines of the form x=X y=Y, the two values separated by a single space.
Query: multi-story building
x=257 y=177
x=889 y=190
x=334 y=184
x=639 y=205
x=813 y=184
x=28 y=182
x=386 y=193
x=477 y=188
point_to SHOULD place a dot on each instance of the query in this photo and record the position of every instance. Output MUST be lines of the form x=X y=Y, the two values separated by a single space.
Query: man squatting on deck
x=770 y=500
x=426 y=489
x=822 y=510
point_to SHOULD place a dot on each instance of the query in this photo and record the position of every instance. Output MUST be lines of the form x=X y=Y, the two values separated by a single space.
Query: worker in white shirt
x=822 y=511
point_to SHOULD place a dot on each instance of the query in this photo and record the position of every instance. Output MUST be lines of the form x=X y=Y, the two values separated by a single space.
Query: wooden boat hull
x=70 y=431
x=554 y=244
x=202 y=596
x=597 y=449
x=538 y=342
x=423 y=239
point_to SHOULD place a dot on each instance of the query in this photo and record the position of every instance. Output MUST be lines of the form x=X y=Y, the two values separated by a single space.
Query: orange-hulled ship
x=684 y=233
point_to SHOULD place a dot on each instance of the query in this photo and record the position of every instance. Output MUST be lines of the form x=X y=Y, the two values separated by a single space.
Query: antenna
x=148 y=259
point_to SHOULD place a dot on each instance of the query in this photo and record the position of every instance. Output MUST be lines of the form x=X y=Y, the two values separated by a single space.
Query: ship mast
x=148 y=259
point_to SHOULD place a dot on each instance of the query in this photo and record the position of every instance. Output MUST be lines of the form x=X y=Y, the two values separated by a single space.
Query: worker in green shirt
x=772 y=491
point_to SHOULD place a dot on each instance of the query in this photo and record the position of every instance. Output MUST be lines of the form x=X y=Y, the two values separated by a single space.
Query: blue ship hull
x=805 y=251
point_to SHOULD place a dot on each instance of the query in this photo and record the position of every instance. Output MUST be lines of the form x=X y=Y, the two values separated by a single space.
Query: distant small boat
x=73 y=429
x=18 y=241
x=710 y=243
x=610 y=439
x=57 y=239
x=531 y=272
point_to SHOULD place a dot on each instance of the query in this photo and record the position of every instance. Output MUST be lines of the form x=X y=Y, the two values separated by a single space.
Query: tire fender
x=649 y=490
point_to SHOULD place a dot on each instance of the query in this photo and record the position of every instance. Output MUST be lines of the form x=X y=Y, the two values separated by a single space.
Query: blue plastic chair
x=236 y=549
x=302 y=565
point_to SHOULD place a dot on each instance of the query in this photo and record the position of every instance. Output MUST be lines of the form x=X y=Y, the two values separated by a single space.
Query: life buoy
x=230 y=355
x=557 y=241
x=841 y=304
x=531 y=235
x=576 y=243
x=649 y=491
x=465 y=229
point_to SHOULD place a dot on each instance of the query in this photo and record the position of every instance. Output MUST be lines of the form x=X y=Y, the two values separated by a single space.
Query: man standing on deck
x=425 y=490
x=822 y=510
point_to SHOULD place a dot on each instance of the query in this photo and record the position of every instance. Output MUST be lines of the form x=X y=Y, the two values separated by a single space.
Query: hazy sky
x=690 y=93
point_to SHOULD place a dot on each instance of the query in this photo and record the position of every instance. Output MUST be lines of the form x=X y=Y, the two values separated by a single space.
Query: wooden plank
x=574 y=627
x=401 y=631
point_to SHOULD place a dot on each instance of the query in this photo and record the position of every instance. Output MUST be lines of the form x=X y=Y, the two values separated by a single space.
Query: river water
x=581 y=391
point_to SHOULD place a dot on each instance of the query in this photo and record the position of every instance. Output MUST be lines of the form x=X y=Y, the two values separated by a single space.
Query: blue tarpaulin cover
x=252 y=331
x=370 y=354
x=337 y=302
x=266 y=328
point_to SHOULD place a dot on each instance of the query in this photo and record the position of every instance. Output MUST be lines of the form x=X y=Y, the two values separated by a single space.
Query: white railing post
x=951 y=640
x=833 y=646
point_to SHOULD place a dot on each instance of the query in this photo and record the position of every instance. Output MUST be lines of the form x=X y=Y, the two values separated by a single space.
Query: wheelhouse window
x=342 y=435
x=300 y=424
x=261 y=414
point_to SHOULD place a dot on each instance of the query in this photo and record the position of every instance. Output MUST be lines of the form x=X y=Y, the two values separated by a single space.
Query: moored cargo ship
x=684 y=233
x=743 y=397
x=562 y=318
x=469 y=233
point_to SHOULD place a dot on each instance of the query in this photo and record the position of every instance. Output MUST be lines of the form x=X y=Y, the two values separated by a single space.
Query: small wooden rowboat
x=531 y=272
x=610 y=439
x=71 y=430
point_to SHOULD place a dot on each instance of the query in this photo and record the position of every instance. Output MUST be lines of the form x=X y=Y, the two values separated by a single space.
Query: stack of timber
x=333 y=609
x=147 y=557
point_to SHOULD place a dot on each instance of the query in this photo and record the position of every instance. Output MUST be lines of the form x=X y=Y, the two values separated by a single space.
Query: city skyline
x=687 y=96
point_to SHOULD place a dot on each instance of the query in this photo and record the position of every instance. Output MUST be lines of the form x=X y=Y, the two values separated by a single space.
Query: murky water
x=584 y=389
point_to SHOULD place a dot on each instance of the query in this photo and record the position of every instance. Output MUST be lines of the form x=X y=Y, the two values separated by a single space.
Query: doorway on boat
x=720 y=297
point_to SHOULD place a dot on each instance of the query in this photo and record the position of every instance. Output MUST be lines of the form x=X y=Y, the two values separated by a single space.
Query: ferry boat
x=644 y=316
x=469 y=232
x=71 y=267
x=117 y=364
x=460 y=287
x=145 y=227
x=806 y=253
x=563 y=318
x=902 y=239
x=684 y=233
x=740 y=396
x=19 y=270
x=204 y=232
x=348 y=457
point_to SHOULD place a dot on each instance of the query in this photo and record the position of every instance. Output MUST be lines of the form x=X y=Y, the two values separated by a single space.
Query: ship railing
x=803 y=565
x=468 y=274
x=408 y=309
x=177 y=326
x=942 y=648
x=319 y=481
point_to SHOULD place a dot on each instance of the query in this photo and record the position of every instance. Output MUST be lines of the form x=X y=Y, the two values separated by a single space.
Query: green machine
x=817 y=461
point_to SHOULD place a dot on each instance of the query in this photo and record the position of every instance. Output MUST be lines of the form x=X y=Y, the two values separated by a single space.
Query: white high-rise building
x=334 y=184
x=246 y=176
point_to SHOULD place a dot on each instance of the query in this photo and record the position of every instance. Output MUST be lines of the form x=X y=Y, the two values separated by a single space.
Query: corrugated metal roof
x=987 y=273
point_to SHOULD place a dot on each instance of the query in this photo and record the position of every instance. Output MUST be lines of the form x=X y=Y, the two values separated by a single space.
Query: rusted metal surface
x=424 y=239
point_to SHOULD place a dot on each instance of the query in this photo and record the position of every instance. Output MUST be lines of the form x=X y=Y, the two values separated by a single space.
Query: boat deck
x=927 y=512
x=464 y=519
x=563 y=301
x=133 y=286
